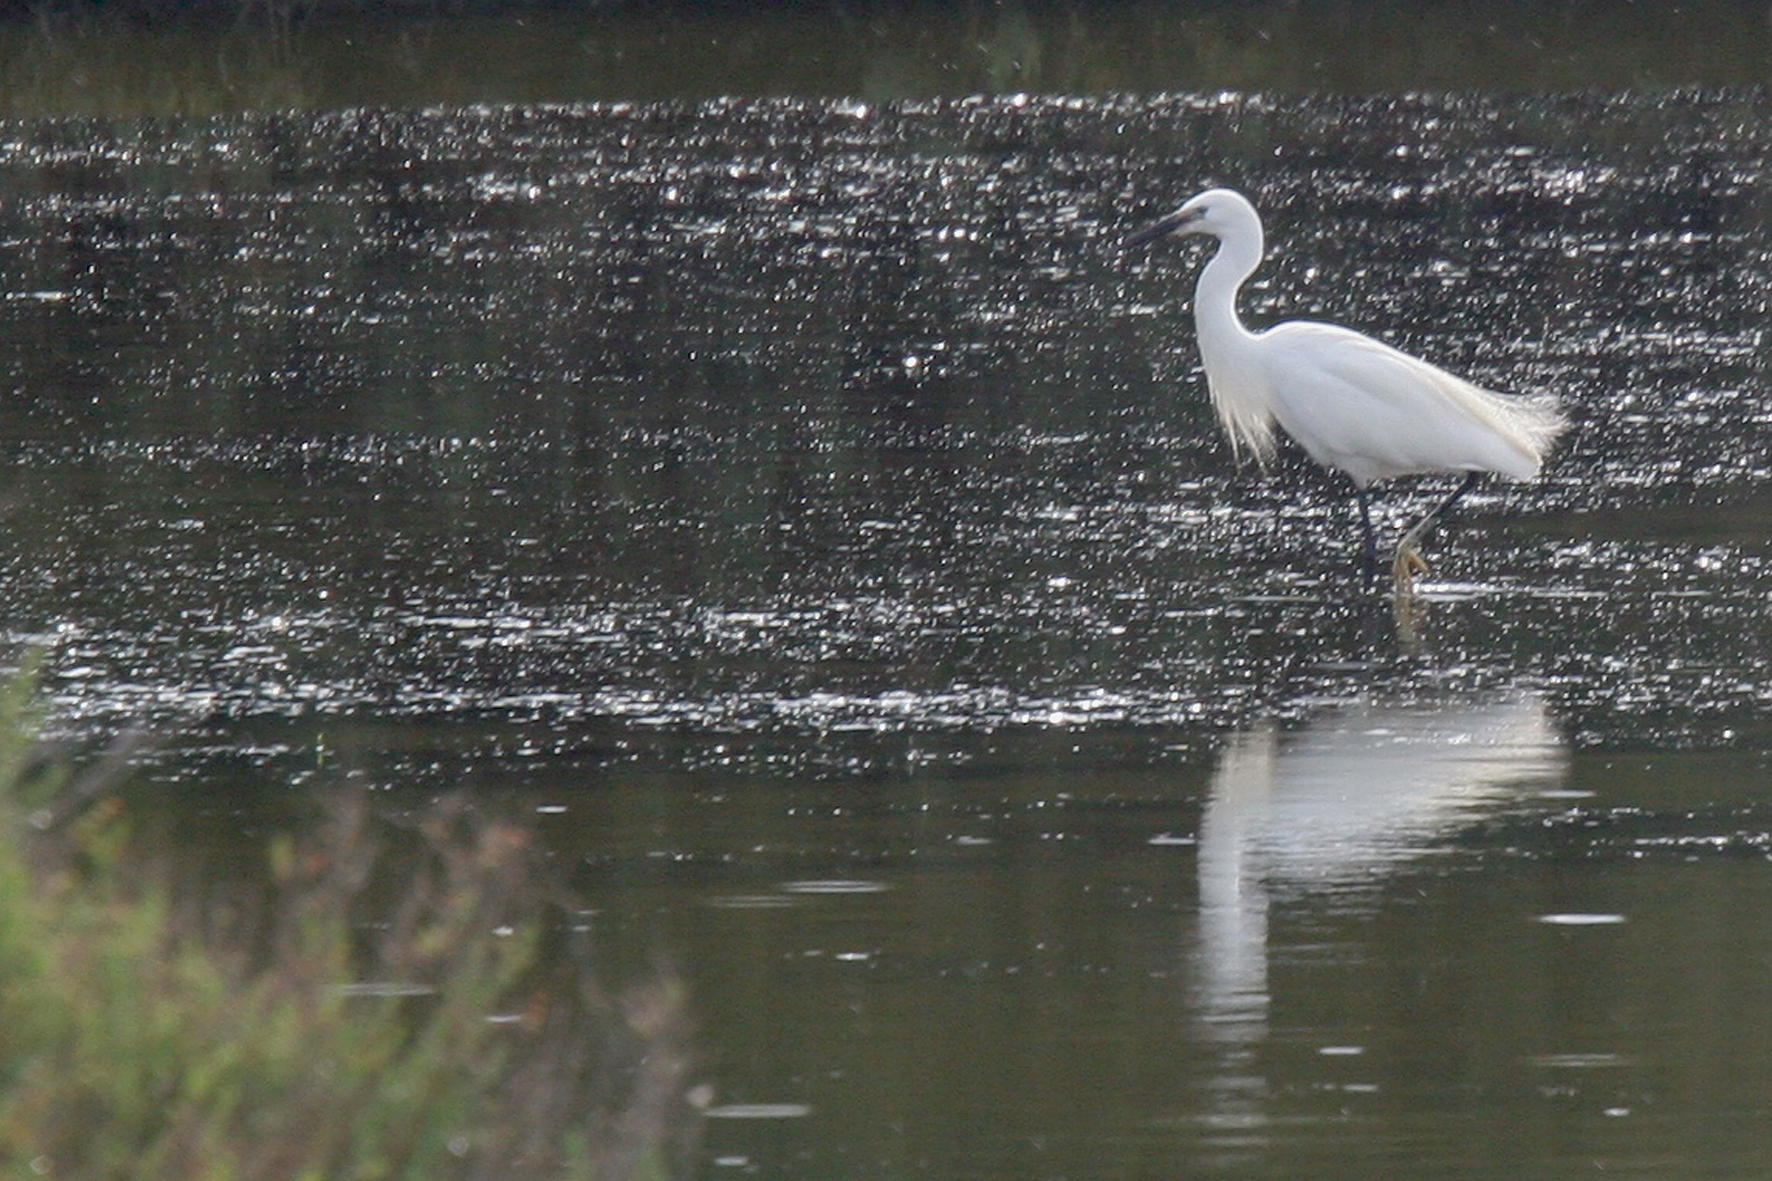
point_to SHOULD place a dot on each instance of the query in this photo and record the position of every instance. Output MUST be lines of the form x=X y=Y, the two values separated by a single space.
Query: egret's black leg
x=1409 y=559
x=1368 y=539
x=1428 y=522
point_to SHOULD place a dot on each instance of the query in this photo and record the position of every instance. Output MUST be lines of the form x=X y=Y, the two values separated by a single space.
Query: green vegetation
x=376 y=1000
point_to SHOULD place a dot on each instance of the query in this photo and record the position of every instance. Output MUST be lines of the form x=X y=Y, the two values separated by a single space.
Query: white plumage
x=1354 y=404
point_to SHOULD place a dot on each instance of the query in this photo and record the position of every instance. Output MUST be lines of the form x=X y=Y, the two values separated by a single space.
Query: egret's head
x=1221 y=213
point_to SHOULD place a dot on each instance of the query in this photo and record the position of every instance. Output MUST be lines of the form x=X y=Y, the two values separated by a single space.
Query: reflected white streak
x=1330 y=808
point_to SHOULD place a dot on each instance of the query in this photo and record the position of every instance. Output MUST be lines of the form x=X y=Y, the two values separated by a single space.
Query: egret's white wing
x=1359 y=405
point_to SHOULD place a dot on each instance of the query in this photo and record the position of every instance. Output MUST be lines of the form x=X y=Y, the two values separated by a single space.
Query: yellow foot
x=1409 y=563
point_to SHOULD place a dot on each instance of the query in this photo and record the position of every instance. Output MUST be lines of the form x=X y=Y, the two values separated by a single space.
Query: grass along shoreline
x=377 y=999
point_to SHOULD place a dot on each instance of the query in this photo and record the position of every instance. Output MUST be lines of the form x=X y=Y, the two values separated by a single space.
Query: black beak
x=1168 y=225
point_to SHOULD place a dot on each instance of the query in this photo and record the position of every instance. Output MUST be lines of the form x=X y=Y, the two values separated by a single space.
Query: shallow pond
x=812 y=515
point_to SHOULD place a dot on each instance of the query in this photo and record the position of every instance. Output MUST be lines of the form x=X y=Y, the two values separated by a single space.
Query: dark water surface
x=224 y=55
x=812 y=514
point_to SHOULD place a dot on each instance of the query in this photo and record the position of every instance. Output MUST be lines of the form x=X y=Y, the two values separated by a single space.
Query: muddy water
x=812 y=514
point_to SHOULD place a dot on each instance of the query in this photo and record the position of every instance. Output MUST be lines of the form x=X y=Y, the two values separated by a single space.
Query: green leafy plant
x=383 y=1000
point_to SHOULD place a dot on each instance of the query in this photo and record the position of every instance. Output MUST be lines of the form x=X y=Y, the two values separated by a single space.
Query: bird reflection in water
x=1297 y=816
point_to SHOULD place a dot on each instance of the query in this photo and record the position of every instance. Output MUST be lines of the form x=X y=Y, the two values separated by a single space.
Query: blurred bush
x=377 y=998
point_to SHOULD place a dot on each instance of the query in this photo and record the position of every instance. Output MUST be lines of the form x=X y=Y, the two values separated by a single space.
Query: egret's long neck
x=1234 y=376
x=1215 y=295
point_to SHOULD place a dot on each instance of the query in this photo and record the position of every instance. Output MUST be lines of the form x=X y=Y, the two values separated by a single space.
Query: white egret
x=1353 y=403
